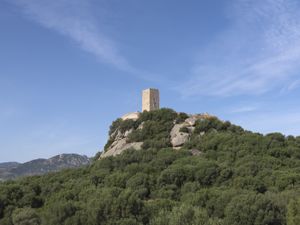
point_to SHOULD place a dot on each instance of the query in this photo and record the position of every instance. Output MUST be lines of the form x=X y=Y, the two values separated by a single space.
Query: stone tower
x=150 y=99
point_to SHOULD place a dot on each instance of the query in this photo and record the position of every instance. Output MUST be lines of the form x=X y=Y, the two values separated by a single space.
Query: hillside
x=219 y=174
x=5 y=168
x=8 y=165
x=41 y=166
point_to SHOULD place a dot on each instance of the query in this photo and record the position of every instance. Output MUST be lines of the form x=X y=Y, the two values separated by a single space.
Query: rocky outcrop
x=178 y=138
x=118 y=147
x=193 y=118
x=131 y=116
x=191 y=121
x=183 y=131
x=120 y=144
x=179 y=135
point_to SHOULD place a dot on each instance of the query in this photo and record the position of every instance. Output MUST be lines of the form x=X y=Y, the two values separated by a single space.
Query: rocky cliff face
x=120 y=143
x=178 y=136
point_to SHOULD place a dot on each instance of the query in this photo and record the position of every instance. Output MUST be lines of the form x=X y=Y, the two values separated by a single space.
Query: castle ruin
x=150 y=99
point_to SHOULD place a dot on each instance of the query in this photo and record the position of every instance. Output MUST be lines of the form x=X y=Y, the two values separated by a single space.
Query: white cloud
x=258 y=53
x=73 y=19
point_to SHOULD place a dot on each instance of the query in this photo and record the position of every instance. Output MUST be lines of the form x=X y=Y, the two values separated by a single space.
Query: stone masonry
x=150 y=99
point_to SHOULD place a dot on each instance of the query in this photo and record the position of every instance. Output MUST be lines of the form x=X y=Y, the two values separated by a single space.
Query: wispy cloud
x=257 y=53
x=243 y=109
x=73 y=19
x=291 y=86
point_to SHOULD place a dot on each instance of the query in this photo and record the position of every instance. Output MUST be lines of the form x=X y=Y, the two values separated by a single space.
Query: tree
x=254 y=209
x=25 y=216
x=2 y=207
x=293 y=212
x=181 y=215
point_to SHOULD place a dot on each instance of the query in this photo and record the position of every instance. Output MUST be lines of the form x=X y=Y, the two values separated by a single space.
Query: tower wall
x=150 y=99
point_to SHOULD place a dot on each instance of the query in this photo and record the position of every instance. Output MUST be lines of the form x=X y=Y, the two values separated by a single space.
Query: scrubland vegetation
x=240 y=178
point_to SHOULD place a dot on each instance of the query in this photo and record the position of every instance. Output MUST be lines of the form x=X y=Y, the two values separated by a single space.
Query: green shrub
x=293 y=212
x=25 y=216
x=115 y=125
x=181 y=117
x=184 y=130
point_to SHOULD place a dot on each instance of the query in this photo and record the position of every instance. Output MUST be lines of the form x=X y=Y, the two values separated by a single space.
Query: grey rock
x=141 y=126
x=178 y=138
x=131 y=116
x=195 y=152
x=120 y=146
x=119 y=135
x=128 y=132
x=191 y=129
x=191 y=120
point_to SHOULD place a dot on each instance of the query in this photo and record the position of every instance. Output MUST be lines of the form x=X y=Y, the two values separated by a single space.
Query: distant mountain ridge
x=12 y=170
x=8 y=165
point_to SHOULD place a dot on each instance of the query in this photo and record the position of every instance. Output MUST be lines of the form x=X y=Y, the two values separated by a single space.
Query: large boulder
x=178 y=138
x=119 y=146
x=131 y=116
x=120 y=143
x=191 y=120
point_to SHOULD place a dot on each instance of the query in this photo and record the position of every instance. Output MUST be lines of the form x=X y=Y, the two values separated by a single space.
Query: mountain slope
x=221 y=175
x=8 y=165
x=42 y=166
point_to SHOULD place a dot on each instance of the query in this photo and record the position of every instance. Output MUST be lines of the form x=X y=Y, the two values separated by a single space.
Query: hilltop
x=161 y=128
x=211 y=172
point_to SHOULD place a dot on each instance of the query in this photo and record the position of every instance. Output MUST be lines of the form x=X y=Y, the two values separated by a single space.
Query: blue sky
x=70 y=67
